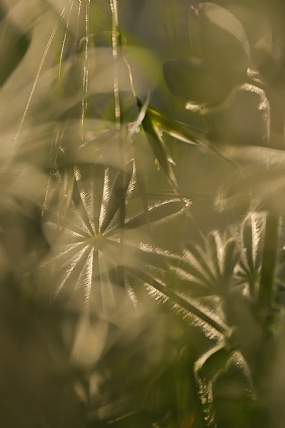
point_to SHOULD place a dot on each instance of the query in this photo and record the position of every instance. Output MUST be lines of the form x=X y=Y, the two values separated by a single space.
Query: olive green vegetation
x=142 y=268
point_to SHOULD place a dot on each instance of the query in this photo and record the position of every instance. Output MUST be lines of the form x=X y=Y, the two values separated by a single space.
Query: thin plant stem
x=116 y=52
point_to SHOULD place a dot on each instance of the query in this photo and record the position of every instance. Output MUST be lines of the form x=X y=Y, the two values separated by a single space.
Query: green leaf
x=213 y=268
x=247 y=242
x=140 y=175
x=175 y=299
x=230 y=259
x=214 y=250
x=251 y=234
x=158 y=146
x=117 y=196
x=206 y=369
x=193 y=276
x=179 y=130
x=75 y=259
x=131 y=256
x=159 y=212
x=268 y=266
x=196 y=256
x=185 y=133
x=88 y=248
x=211 y=362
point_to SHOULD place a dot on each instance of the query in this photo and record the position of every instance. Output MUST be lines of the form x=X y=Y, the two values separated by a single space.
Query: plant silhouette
x=141 y=217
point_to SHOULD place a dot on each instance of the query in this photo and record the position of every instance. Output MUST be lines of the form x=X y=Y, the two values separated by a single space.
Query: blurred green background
x=141 y=213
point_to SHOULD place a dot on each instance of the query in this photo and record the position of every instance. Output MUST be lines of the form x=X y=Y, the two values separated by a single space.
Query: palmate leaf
x=214 y=247
x=121 y=190
x=192 y=274
x=161 y=292
x=212 y=270
x=231 y=257
x=89 y=243
x=252 y=234
x=160 y=212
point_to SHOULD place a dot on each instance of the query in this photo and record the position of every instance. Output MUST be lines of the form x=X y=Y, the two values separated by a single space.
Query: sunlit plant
x=141 y=211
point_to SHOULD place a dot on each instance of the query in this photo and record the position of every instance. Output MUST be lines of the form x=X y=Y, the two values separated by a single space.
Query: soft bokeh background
x=122 y=356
